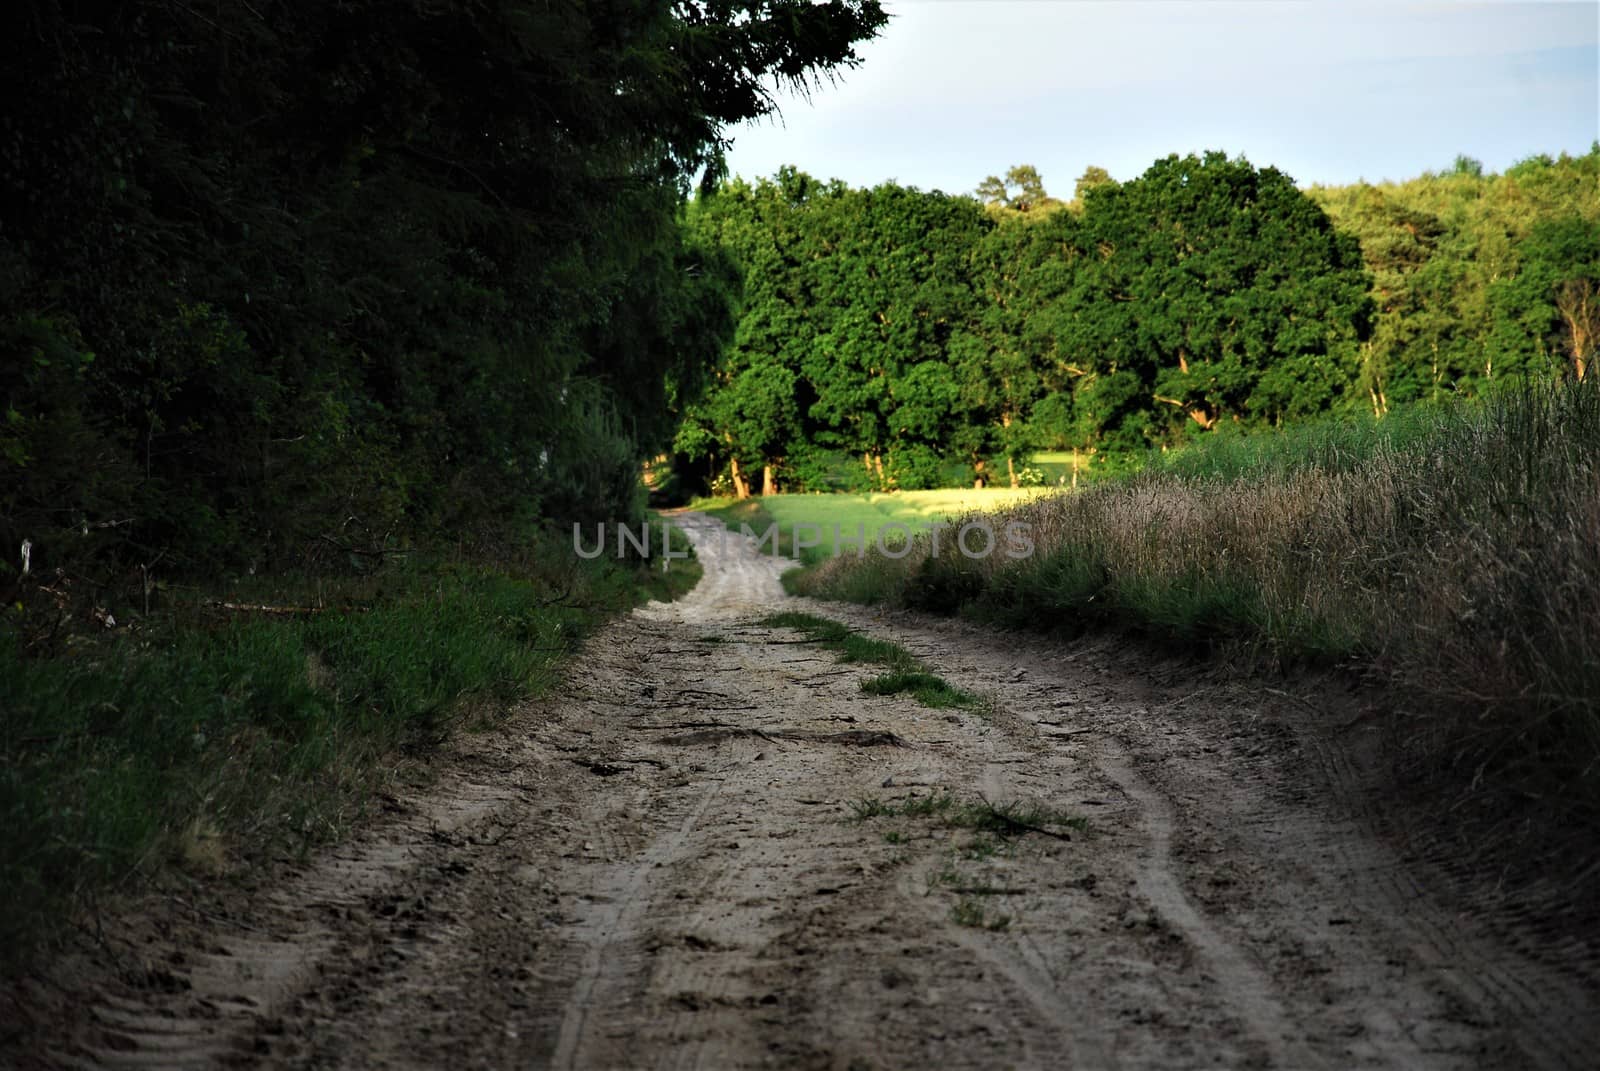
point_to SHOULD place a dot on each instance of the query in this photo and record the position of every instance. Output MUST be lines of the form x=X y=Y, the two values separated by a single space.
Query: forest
x=891 y=338
x=284 y=283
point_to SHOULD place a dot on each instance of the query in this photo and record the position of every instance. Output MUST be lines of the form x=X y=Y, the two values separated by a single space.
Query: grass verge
x=1454 y=552
x=905 y=674
x=205 y=737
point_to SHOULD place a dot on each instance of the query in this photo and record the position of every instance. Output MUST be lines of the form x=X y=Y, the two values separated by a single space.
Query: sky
x=1329 y=91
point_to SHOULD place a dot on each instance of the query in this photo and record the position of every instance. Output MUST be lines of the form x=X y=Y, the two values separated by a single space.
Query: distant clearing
x=866 y=512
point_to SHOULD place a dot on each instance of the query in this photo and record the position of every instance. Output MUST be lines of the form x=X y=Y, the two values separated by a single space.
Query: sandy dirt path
x=663 y=866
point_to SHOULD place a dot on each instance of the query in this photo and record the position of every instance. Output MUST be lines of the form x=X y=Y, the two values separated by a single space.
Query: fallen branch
x=1026 y=827
x=716 y=736
x=599 y=767
x=853 y=737
x=987 y=890
x=252 y=608
x=849 y=738
x=1004 y=816
x=1302 y=700
x=380 y=555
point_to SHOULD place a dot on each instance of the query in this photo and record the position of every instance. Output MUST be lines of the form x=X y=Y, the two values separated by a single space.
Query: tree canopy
x=850 y=301
x=887 y=334
x=1469 y=271
x=280 y=276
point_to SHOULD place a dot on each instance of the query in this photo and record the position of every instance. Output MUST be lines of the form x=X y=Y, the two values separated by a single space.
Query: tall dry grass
x=1454 y=551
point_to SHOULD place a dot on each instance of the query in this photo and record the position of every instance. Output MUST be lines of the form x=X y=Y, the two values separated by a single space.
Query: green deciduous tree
x=1450 y=256
x=1214 y=290
x=1022 y=190
x=850 y=300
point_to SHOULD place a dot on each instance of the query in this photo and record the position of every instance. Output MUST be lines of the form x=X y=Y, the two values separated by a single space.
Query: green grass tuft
x=929 y=690
x=972 y=912
x=906 y=673
x=849 y=644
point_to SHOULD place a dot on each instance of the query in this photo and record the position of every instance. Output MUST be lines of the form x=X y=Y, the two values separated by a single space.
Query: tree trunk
x=769 y=485
x=979 y=480
x=1011 y=465
x=741 y=486
x=877 y=463
x=1579 y=305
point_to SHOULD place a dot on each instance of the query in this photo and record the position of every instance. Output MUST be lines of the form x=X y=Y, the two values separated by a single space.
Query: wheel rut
x=610 y=921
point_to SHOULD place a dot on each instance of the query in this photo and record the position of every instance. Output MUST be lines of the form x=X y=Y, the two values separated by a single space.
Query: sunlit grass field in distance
x=868 y=513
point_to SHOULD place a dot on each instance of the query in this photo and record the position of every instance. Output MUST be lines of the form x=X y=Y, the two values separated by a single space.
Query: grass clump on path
x=927 y=689
x=906 y=674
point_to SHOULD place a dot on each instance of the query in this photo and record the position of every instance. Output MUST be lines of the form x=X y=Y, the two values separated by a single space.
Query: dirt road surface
x=666 y=865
